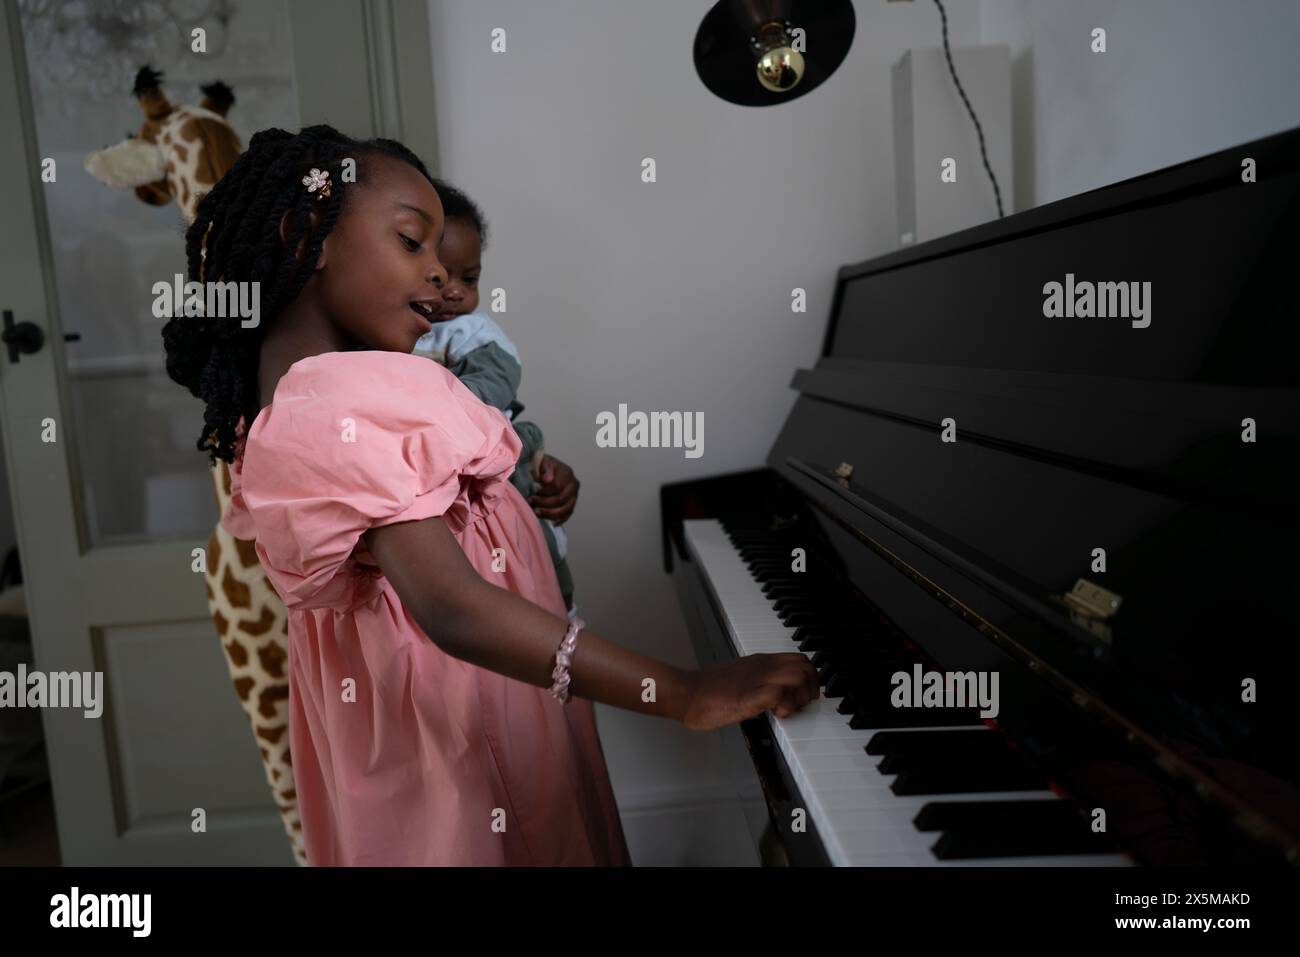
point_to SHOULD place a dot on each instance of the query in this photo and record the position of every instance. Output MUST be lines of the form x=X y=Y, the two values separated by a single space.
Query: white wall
x=666 y=296
x=1180 y=79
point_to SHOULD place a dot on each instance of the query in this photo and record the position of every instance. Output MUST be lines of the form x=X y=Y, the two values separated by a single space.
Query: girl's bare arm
x=479 y=622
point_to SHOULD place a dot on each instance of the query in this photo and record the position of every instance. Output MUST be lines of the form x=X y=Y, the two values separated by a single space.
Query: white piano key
x=812 y=747
x=819 y=725
x=850 y=760
x=755 y=646
x=853 y=780
x=927 y=859
x=821 y=705
x=885 y=839
x=873 y=803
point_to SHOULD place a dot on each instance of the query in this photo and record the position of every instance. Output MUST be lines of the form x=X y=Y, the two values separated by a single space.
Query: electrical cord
x=997 y=193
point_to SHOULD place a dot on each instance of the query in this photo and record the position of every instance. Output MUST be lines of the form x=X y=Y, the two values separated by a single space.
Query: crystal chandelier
x=93 y=48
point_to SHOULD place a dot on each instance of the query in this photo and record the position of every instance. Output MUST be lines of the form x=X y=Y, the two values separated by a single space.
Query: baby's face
x=459 y=254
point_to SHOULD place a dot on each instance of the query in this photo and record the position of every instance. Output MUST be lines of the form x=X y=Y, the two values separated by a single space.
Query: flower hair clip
x=318 y=179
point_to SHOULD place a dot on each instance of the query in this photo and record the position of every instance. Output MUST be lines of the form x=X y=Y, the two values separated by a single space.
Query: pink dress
x=402 y=754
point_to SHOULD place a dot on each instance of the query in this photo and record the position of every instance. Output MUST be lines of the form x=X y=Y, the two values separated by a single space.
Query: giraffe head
x=180 y=151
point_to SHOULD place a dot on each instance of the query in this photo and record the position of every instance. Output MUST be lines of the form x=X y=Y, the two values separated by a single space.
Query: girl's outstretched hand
x=732 y=691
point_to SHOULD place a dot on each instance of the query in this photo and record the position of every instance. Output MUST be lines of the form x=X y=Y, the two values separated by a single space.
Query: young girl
x=481 y=356
x=431 y=662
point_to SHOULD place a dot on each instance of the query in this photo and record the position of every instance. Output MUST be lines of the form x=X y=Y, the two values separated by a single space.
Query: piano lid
x=1023 y=443
x=1197 y=265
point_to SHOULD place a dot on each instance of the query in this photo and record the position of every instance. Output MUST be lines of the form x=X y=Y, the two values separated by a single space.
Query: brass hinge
x=1091 y=606
x=1092 y=600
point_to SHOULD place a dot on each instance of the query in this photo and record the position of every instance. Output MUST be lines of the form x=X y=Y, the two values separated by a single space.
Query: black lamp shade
x=726 y=61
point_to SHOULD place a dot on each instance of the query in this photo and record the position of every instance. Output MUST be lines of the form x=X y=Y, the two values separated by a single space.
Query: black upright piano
x=1059 y=452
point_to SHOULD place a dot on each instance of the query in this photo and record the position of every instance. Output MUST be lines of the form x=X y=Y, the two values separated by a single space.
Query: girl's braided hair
x=235 y=237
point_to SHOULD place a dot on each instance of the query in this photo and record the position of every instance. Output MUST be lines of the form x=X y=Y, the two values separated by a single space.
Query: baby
x=477 y=352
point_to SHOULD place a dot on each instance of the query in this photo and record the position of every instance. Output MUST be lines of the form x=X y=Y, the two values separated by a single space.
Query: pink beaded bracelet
x=560 y=689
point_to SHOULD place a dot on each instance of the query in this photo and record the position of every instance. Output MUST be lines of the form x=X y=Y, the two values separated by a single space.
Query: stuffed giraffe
x=180 y=153
x=253 y=625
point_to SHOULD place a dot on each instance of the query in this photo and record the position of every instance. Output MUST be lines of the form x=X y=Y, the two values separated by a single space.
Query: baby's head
x=463 y=242
x=361 y=260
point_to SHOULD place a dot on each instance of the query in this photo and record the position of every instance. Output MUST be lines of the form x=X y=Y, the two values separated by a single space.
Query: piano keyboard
x=870 y=791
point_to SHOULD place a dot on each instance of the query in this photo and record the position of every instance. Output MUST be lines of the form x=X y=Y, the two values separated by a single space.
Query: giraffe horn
x=147 y=80
x=148 y=90
x=217 y=97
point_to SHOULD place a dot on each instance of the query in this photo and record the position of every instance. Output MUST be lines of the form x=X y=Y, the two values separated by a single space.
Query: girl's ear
x=313 y=222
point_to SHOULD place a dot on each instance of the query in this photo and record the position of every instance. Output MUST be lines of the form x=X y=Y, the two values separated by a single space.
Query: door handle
x=21 y=337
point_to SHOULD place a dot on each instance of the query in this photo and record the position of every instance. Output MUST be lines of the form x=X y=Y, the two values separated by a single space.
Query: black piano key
x=797 y=619
x=944 y=747
x=827 y=620
x=968 y=779
x=897 y=762
x=829 y=615
x=863 y=650
x=842 y=684
x=776 y=570
x=876 y=712
x=779 y=577
x=813 y=601
x=862 y=644
x=993 y=815
x=837 y=619
x=979 y=829
x=979 y=756
x=784 y=585
x=848 y=644
x=791 y=593
x=814 y=571
x=954 y=749
x=954 y=762
x=778 y=544
x=890 y=742
x=862 y=679
x=814 y=640
x=780 y=589
x=857 y=678
x=871 y=676
x=837 y=686
x=861 y=632
x=882 y=661
x=859 y=644
x=860 y=685
x=802 y=602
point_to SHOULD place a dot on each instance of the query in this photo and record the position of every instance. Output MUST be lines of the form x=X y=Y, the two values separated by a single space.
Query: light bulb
x=780 y=69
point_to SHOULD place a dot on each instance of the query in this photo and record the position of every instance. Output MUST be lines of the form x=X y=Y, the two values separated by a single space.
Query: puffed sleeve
x=353 y=441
